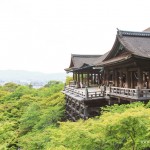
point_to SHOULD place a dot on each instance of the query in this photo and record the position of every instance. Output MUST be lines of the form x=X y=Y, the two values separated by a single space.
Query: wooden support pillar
x=121 y=75
x=119 y=79
x=75 y=112
x=82 y=77
x=131 y=78
x=140 y=78
x=107 y=73
x=85 y=112
x=91 y=78
x=80 y=109
x=127 y=79
x=115 y=78
x=88 y=79
x=85 y=77
x=76 y=77
x=71 y=111
x=94 y=78
x=149 y=79
x=99 y=80
x=105 y=77
x=73 y=76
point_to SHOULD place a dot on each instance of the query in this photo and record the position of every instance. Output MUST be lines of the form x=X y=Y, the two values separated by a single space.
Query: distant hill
x=29 y=76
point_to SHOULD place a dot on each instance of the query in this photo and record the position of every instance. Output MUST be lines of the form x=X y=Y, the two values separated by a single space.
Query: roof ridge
x=133 y=33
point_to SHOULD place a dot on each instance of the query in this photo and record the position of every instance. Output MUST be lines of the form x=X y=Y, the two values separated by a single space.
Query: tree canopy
x=35 y=119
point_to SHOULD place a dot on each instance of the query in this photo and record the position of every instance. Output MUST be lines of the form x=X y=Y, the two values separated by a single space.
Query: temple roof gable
x=135 y=43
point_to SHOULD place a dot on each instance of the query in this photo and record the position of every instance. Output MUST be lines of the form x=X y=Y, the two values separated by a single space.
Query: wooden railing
x=145 y=93
x=130 y=93
x=75 y=92
x=141 y=94
x=95 y=94
x=84 y=94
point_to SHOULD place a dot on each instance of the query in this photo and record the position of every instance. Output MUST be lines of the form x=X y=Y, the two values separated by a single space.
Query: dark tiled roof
x=134 y=34
x=78 y=61
x=138 y=43
x=100 y=59
x=116 y=59
x=135 y=43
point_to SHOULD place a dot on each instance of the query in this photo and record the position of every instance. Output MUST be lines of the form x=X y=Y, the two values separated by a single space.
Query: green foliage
x=46 y=92
x=30 y=118
x=68 y=79
x=148 y=105
x=52 y=82
x=119 y=128
x=121 y=108
x=33 y=119
x=11 y=87
x=27 y=114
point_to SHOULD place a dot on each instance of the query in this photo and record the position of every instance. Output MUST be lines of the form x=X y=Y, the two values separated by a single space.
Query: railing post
x=104 y=92
x=145 y=93
x=138 y=92
x=86 y=93
x=123 y=91
x=85 y=112
x=109 y=89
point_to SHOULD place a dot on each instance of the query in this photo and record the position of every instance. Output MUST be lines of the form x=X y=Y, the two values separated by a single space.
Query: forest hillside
x=34 y=119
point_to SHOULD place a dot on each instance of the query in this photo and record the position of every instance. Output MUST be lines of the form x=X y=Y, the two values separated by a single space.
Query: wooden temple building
x=122 y=75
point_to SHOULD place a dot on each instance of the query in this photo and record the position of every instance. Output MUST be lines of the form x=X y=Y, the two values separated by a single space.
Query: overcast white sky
x=40 y=35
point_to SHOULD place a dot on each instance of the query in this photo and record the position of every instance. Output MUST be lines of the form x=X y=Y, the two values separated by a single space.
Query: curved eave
x=77 y=69
x=70 y=69
x=128 y=57
x=117 y=41
x=112 y=62
x=83 y=68
x=141 y=57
